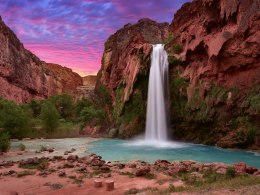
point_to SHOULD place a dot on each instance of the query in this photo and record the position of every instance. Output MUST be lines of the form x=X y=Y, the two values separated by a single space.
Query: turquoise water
x=113 y=149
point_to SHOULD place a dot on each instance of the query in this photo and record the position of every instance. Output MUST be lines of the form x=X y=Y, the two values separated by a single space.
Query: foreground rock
x=85 y=175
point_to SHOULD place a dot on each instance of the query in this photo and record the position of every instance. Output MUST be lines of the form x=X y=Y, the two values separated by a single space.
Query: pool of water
x=121 y=150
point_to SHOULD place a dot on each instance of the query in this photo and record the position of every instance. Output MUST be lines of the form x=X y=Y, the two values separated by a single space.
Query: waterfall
x=156 y=116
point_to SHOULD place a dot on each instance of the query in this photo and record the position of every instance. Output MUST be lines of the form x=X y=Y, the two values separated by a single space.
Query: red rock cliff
x=214 y=57
x=221 y=42
x=23 y=76
x=216 y=87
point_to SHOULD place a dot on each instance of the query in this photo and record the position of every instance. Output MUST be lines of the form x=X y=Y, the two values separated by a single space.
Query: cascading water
x=156 y=116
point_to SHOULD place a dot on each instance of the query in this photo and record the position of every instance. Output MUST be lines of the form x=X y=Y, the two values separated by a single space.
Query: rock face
x=216 y=84
x=23 y=76
x=221 y=42
x=69 y=79
x=214 y=49
x=124 y=72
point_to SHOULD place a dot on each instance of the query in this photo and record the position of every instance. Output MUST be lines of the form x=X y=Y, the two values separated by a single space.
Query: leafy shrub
x=80 y=105
x=89 y=114
x=22 y=147
x=49 y=116
x=169 y=39
x=4 y=142
x=104 y=95
x=231 y=172
x=173 y=60
x=177 y=48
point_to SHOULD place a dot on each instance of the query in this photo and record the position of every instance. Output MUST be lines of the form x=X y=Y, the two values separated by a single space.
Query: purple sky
x=72 y=32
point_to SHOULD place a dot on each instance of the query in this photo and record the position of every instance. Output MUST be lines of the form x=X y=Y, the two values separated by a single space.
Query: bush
x=80 y=105
x=49 y=116
x=92 y=114
x=177 y=48
x=4 y=142
x=231 y=172
x=22 y=147
x=105 y=98
x=169 y=39
x=173 y=60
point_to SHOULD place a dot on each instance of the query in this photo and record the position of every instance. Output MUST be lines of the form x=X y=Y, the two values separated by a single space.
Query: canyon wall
x=213 y=48
x=23 y=76
x=215 y=72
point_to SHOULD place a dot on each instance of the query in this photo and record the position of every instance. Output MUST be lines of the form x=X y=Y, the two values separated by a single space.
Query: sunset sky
x=72 y=32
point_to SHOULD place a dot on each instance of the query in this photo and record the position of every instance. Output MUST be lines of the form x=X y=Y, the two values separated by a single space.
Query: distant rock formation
x=23 y=76
x=90 y=80
x=69 y=79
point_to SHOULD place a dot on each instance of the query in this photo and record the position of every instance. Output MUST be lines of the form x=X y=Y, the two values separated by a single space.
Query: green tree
x=49 y=116
x=80 y=105
x=91 y=114
x=13 y=119
x=64 y=104
x=35 y=107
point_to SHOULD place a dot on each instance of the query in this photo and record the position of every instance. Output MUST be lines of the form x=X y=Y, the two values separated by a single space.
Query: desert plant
x=231 y=172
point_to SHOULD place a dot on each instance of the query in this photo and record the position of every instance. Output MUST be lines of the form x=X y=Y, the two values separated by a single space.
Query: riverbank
x=47 y=147
x=73 y=175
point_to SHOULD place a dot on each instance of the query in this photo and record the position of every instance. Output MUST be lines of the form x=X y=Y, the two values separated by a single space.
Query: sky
x=72 y=32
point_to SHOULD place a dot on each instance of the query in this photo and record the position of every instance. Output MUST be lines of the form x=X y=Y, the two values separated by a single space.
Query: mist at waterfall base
x=154 y=144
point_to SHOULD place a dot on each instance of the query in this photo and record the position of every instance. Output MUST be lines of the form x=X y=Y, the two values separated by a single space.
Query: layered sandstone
x=23 y=76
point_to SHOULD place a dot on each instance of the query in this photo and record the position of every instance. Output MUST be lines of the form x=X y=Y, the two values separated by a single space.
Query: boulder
x=142 y=171
x=72 y=157
x=240 y=167
x=61 y=173
x=251 y=170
